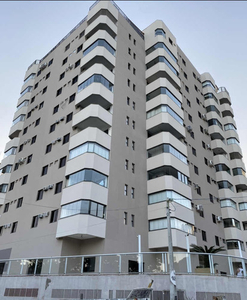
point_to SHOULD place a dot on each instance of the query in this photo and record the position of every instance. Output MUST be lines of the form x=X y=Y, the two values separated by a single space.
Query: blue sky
x=213 y=35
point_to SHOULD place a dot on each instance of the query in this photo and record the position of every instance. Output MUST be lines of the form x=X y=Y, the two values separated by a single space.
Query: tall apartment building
x=111 y=123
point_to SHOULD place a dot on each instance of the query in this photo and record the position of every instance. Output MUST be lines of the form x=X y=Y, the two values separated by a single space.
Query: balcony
x=216 y=132
x=81 y=227
x=101 y=23
x=231 y=134
x=92 y=116
x=226 y=110
x=103 y=5
x=21 y=111
x=234 y=148
x=16 y=129
x=100 y=34
x=4 y=178
x=223 y=96
x=228 y=120
x=218 y=147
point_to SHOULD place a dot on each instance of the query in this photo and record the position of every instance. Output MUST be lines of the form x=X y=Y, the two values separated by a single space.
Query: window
x=134 y=71
x=64 y=61
x=127 y=120
x=36 y=85
x=185 y=75
x=52 y=128
x=205 y=161
x=134 y=55
x=187 y=89
x=134 y=105
x=160 y=31
x=24 y=180
x=11 y=186
x=35 y=221
x=129 y=51
x=199 y=191
x=190 y=117
x=96 y=78
x=163 y=91
x=132 y=193
x=88 y=175
x=195 y=87
x=231 y=222
x=198 y=101
x=90 y=147
x=134 y=87
x=133 y=145
x=125 y=218
x=47 y=75
x=72 y=98
x=133 y=124
x=25 y=130
x=79 y=48
x=132 y=220
x=134 y=42
x=21 y=148
x=211 y=198
x=54 y=215
x=16 y=167
x=188 y=103
x=6 y=169
x=244 y=225
x=1 y=230
x=74 y=80
x=167 y=171
x=126 y=165
x=40 y=194
x=128 y=101
x=41 y=105
x=133 y=168
x=161 y=45
x=19 y=202
x=77 y=63
x=59 y=91
x=196 y=170
x=44 y=90
x=126 y=190
x=62 y=162
x=58 y=188
x=81 y=34
x=128 y=82
x=127 y=141
x=101 y=43
x=69 y=117
x=44 y=170
x=29 y=114
x=130 y=37
x=201 y=129
x=55 y=109
x=183 y=61
x=217 y=242
x=67 y=47
x=14 y=227
x=62 y=76
x=50 y=62
x=66 y=138
x=193 y=151
x=214 y=218
x=129 y=66
x=208 y=179
x=204 y=236
x=6 y=207
x=33 y=140
x=37 y=122
x=48 y=148
x=166 y=148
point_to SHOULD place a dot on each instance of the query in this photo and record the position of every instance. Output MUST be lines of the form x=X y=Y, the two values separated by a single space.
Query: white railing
x=126 y=263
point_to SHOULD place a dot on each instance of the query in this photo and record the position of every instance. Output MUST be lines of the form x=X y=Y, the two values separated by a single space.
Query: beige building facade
x=111 y=123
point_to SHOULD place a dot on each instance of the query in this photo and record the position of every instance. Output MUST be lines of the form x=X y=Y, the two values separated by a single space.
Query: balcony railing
x=222 y=89
x=126 y=263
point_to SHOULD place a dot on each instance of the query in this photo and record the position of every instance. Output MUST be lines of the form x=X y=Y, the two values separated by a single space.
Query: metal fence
x=126 y=263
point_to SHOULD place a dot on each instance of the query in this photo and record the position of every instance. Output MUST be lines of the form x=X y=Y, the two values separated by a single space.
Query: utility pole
x=173 y=289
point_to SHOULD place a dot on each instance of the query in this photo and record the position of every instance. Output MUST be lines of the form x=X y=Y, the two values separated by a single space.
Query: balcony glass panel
x=3 y=188
x=243 y=206
x=29 y=77
x=18 y=119
x=221 y=168
x=230 y=222
x=91 y=148
x=96 y=78
x=102 y=43
x=229 y=203
x=233 y=244
x=167 y=171
x=160 y=31
x=214 y=122
x=24 y=103
x=213 y=108
x=163 y=46
x=230 y=127
x=210 y=96
x=164 y=108
x=6 y=169
x=11 y=151
x=163 y=60
x=87 y=175
x=166 y=148
x=175 y=224
x=28 y=89
x=164 y=195
x=225 y=185
x=208 y=83
x=163 y=91
x=232 y=141
x=238 y=171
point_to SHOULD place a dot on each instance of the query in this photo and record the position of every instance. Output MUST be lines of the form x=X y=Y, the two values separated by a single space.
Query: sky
x=212 y=34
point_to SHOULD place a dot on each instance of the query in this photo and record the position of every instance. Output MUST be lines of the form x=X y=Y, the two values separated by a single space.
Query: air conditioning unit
x=28 y=140
x=43 y=66
x=62 y=119
x=21 y=160
x=40 y=216
x=57 y=122
x=36 y=106
x=51 y=186
x=196 y=186
x=46 y=214
x=59 y=139
x=189 y=128
x=204 y=117
x=208 y=146
x=70 y=66
x=199 y=207
x=54 y=142
x=5 y=226
x=211 y=163
x=46 y=188
x=25 y=143
x=219 y=219
x=206 y=131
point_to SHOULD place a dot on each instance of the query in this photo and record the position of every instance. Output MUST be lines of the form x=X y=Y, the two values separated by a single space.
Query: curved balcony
x=168 y=183
x=227 y=120
x=166 y=138
x=92 y=116
x=218 y=147
x=209 y=89
x=103 y=22
x=234 y=148
x=85 y=190
x=26 y=96
x=233 y=233
x=12 y=143
x=226 y=193
x=213 y=115
x=223 y=175
x=207 y=76
x=231 y=134
x=95 y=93
x=103 y=5
x=9 y=160
x=2 y=198
x=237 y=163
x=240 y=182
x=33 y=68
x=165 y=122
x=226 y=110
x=100 y=34
x=16 y=129
x=21 y=111
x=216 y=132
x=167 y=159
x=90 y=134
x=88 y=161
x=161 y=70
x=5 y=178
x=229 y=212
x=158 y=239
x=28 y=83
x=221 y=159
x=99 y=55
x=81 y=227
x=223 y=96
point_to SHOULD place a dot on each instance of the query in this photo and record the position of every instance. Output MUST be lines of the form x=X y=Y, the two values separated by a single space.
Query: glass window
x=163 y=46
x=18 y=119
x=163 y=91
x=91 y=147
x=230 y=127
x=213 y=108
x=6 y=169
x=232 y=141
x=29 y=77
x=243 y=206
x=3 y=188
x=222 y=167
x=102 y=43
x=98 y=79
x=229 y=203
x=214 y=122
x=11 y=151
x=167 y=171
x=27 y=89
x=166 y=148
x=87 y=175
x=210 y=95
x=233 y=244
x=164 y=108
x=23 y=104
x=163 y=60
x=238 y=171
x=164 y=195
x=175 y=223
x=224 y=184
x=160 y=31
x=208 y=83
x=230 y=222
